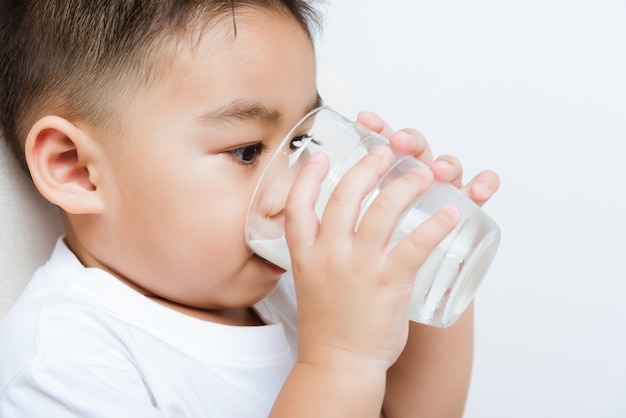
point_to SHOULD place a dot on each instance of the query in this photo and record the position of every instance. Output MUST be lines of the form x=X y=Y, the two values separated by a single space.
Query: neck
x=232 y=316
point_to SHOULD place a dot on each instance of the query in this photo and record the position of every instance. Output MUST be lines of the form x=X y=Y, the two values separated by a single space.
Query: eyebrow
x=248 y=111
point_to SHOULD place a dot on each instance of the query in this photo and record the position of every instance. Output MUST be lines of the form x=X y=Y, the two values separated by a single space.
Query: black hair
x=72 y=56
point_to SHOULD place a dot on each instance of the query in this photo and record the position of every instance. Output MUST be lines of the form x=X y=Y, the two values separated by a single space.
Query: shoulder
x=48 y=325
x=65 y=359
x=52 y=322
x=54 y=344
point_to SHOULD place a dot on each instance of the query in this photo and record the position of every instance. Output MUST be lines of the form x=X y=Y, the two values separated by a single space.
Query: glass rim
x=269 y=162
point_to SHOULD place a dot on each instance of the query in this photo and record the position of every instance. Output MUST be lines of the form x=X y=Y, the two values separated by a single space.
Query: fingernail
x=316 y=157
x=423 y=171
x=445 y=170
x=416 y=140
x=404 y=135
x=452 y=210
x=380 y=150
x=444 y=164
x=481 y=189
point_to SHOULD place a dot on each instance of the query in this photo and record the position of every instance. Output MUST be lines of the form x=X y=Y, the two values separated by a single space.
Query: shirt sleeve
x=61 y=390
x=73 y=364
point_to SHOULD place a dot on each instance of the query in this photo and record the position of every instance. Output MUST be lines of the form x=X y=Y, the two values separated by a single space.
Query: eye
x=249 y=154
x=298 y=141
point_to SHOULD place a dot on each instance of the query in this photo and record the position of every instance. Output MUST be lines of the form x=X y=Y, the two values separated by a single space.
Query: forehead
x=261 y=48
x=245 y=34
x=212 y=33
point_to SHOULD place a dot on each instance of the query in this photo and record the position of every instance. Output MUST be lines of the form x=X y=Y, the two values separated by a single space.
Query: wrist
x=327 y=383
x=342 y=361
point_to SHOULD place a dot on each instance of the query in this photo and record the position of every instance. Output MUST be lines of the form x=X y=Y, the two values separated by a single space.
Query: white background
x=535 y=90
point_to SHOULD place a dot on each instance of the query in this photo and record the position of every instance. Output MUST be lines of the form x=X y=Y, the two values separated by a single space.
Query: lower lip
x=272 y=265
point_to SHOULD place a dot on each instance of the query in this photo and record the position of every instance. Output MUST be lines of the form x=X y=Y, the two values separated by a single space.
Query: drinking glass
x=447 y=281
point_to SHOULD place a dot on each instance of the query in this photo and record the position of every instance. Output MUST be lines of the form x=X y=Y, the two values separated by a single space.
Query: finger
x=482 y=187
x=374 y=123
x=380 y=219
x=343 y=207
x=448 y=169
x=411 y=252
x=412 y=142
x=301 y=223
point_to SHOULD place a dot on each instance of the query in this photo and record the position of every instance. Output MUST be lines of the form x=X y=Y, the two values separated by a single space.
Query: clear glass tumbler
x=449 y=278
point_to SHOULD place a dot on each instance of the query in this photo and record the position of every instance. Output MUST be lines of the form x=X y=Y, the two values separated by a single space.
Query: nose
x=273 y=196
x=273 y=190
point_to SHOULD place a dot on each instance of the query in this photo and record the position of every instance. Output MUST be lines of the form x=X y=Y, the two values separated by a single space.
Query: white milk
x=274 y=250
x=424 y=290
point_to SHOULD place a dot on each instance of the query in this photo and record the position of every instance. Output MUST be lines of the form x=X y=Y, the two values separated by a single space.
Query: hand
x=446 y=169
x=353 y=288
x=432 y=375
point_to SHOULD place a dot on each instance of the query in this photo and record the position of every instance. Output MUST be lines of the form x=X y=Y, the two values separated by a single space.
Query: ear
x=63 y=162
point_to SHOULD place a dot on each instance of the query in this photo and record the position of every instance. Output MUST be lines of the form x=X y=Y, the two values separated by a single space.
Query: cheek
x=211 y=213
x=209 y=240
x=196 y=211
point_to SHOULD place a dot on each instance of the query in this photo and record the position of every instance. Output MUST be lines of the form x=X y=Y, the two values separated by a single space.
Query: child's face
x=181 y=176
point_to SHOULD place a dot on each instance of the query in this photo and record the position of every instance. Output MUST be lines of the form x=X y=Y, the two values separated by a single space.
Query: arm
x=431 y=378
x=351 y=389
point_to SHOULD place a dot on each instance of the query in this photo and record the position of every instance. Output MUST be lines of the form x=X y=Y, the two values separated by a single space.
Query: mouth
x=269 y=263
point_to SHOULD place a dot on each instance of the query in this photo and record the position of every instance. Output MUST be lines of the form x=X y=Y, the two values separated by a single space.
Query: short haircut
x=74 y=57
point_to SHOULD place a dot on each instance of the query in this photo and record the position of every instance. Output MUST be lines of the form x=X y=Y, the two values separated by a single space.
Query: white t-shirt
x=78 y=342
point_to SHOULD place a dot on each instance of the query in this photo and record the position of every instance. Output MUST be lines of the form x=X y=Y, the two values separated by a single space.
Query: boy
x=147 y=123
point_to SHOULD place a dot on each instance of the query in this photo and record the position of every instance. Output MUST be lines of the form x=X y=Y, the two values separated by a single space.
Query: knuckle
x=336 y=197
x=382 y=205
x=370 y=162
x=443 y=222
x=430 y=234
x=439 y=221
x=422 y=241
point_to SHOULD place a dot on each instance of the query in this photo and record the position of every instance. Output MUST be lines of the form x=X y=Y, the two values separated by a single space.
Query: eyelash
x=240 y=154
x=259 y=149
x=297 y=141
